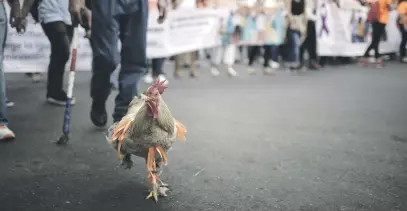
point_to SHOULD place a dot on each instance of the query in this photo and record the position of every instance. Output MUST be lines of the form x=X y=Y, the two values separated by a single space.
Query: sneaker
x=363 y=62
x=268 y=70
x=162 y=77
x=379 y=63
x=9 y=103
x=59 y=99
x=404 y=60
x=36 y=77
x=314 y=66
x=148 y=79
x=274 y=65
x=6 y=134
x=232 y=72
x=251 y=70
x=296 y=68
x=55 y=101
x=214 y=71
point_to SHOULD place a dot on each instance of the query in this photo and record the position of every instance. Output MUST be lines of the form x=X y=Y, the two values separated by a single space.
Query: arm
x=26 y=7
x=15 y=12
x=14 y=3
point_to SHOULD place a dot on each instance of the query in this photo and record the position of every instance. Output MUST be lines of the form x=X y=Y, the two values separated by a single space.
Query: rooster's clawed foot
x=127 y=163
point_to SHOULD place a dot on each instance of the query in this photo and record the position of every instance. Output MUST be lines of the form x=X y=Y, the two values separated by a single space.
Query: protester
x=297 y=27
x=15 y=22
x=402 y=25
x=254 y=50
x=229 y=31
x=109 y=19
x=191 y=56
x=378 y=17
x=56 y=22
x=310 y=42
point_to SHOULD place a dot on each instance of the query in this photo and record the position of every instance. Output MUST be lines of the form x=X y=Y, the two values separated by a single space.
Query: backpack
x=373 y=14
x=34 y=10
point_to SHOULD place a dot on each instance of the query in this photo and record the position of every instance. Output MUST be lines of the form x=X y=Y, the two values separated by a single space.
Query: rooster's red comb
x=159 y=85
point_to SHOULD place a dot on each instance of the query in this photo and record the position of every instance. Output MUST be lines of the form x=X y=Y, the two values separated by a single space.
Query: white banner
x=184 y=30
x=344 y=32
x=339 y=33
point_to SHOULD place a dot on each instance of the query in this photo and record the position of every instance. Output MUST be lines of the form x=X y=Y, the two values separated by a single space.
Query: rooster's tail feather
x=181 y=130
x=117 y=133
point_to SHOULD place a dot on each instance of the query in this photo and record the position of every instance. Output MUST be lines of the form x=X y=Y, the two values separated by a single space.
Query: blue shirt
x=54 y=10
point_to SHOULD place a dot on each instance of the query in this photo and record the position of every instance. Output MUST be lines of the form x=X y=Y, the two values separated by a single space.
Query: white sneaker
x=162 y=77
x=148 y=79
x=214 y=71
x=9 y=103
x=404 y=59
x=274 y=65
x=54 y=101
x=232 y=72
x=36 y=77
x=6 y=134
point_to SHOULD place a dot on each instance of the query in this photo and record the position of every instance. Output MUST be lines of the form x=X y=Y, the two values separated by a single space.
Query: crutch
x=71 y=80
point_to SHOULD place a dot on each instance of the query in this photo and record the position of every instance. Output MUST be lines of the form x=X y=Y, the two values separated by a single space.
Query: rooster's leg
x=127 y=163
x=152 y=174
x=162 y=187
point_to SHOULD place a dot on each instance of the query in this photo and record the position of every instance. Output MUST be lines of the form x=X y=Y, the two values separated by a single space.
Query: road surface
x=322 y=141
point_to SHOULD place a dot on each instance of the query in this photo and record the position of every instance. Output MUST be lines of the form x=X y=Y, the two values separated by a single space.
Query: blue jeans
x=157 y=66
x=3 y=34
x=274 y=53
x=296 y=44
x=113 y=20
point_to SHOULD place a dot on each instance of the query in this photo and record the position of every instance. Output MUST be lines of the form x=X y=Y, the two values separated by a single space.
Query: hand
x=162 y=10
x=75 y=10
x=21 y=25
x=86 y=17
x=15 y=13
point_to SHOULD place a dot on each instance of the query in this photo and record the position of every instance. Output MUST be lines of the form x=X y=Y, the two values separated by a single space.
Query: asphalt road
x=326 y=141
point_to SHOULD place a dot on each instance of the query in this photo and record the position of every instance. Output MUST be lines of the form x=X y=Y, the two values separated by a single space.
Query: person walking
x=113 y=20
x=16 y=22
x=297 y=29
x=379 y=17
x=310 y=42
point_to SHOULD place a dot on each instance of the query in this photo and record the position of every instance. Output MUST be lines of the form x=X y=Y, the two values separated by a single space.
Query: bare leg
x=193 y=64
x=177 y=61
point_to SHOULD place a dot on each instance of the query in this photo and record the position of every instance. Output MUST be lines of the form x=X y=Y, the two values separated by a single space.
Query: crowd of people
x=113 y=20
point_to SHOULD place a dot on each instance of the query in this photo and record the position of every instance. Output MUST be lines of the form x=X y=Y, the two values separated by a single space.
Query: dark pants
x=113 y=20
x=157 y=66
x=60 y=36
x=403 y=43
x=310 y=43
x=269 y=51
x=377 y=33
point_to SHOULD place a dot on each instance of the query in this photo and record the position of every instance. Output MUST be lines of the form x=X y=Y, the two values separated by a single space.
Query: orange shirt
x=384 y=11
x=402 y=10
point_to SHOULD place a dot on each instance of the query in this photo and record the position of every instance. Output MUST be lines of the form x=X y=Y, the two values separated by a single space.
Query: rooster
x=148 y=130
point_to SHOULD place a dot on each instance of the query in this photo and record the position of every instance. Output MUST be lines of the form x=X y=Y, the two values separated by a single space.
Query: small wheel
x=63 y=140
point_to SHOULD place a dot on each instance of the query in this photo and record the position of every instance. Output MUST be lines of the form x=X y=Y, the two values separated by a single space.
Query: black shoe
x=98 y=115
